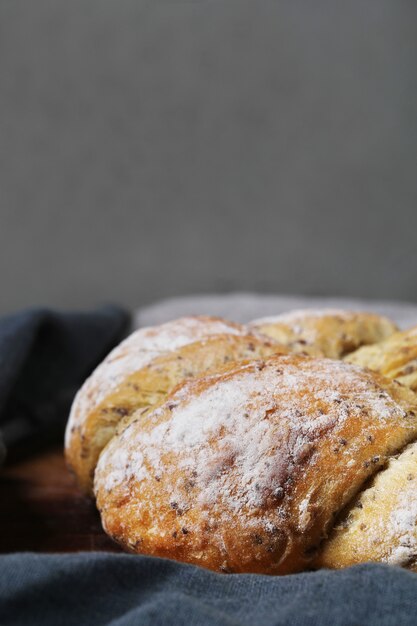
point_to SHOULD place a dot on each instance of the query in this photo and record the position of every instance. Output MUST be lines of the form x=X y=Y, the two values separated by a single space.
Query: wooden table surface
x=43 y=511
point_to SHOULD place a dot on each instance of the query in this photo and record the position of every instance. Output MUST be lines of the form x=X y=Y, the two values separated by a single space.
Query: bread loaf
x=212 y=443
x=247 y=470
x=330 y=332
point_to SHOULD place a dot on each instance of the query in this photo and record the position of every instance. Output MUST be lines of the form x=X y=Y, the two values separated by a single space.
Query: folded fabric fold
x=44 y=358
x=125 y=590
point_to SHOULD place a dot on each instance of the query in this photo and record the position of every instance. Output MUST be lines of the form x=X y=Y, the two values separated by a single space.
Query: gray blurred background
x=152 y=149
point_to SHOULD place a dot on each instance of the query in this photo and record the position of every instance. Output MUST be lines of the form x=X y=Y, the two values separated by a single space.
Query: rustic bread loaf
x=248 y=469
x=141 y=371
x=329 y=332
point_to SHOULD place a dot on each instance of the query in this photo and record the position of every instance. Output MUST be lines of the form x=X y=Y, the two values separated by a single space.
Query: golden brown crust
x=141 y=371
x=396 y=357
x=329 y=332
x=245 y=471
x=381 y=523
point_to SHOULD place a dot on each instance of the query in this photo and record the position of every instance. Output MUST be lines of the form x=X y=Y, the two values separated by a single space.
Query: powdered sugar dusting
x=138 y=350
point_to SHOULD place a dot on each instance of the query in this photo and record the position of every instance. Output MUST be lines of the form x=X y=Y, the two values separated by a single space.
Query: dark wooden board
x=41 y=509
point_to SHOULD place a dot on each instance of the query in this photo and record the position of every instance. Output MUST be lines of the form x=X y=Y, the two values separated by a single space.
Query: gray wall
x=150 y=149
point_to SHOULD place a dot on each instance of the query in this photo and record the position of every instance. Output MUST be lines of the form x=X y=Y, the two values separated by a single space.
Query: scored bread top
x=141 y=370
x=245 y=471
x=325 y=332
x=396 y=357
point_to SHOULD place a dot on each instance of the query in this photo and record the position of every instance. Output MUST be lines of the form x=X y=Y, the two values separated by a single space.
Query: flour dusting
x=258 y=425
